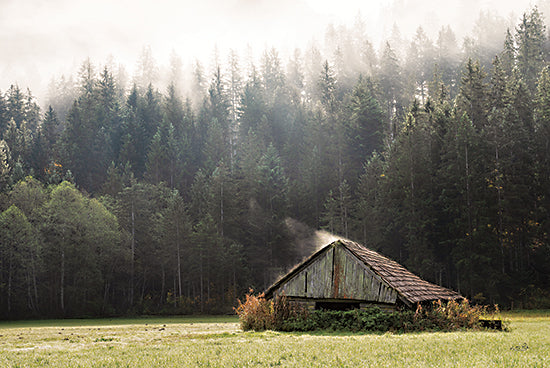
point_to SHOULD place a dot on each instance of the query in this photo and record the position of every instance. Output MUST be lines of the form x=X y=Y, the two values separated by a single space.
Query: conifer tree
x=3 y=115
x=473 y=94
x=15 y=104
x=391 y=86
x=508 y=55
x=45 y=147
x=530 y=40
x=364 y=127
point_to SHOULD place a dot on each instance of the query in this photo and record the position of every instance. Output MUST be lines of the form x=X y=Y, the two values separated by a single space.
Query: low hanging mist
x=40 y=42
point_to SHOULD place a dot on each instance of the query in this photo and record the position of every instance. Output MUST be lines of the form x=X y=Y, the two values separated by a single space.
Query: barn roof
x=410 y=288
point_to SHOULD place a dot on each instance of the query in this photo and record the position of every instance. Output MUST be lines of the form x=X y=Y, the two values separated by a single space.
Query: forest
x=177 y=194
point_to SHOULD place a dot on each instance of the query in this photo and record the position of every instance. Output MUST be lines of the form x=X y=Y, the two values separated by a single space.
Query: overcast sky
x=41 y=39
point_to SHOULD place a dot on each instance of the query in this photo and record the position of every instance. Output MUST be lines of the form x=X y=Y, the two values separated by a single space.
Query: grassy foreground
x=219 y=342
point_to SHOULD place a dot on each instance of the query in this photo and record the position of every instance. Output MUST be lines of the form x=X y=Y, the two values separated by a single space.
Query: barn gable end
x=347 y=272
x=338 y=274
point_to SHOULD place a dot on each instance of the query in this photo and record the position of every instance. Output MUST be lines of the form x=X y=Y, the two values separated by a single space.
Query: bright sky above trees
x=42 y=39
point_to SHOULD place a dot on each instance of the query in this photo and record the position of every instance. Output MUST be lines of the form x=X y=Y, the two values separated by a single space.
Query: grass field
x=219 y=342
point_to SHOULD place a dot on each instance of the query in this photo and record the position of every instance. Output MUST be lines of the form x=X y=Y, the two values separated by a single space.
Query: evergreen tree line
x=127 y=200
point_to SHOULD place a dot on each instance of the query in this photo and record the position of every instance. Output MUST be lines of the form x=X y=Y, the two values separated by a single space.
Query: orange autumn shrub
x=256 y=313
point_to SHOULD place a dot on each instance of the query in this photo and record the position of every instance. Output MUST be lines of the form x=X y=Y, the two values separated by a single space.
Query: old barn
x=345 y=275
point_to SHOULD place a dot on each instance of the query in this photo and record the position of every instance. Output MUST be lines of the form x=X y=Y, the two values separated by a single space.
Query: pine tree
x=371 y=202
x=147 y=72
x=3 y=115
x=5 y=166
x=252 y=107
x=489 y=34
x=135 y=209
x=420 y=64
x=364 y=127
x=272 y=74
x=45 y=147
x=108 y=114
x=448 y=56
x=162 y=157
x=173 y=234
x=31 y=113
x=508 y=55
x=61 y=94
x=497 y=131
x=151 y=113
x=20 y=143
x=15 y=105
x=390 y=86
x=530 y=40
x=206 y=254
x=541 y=222
x=133 y=134
x=543 y=115
x=234 y=90
x=327 y=90
x=295 y=75
x=472 y=99
x=176 y=73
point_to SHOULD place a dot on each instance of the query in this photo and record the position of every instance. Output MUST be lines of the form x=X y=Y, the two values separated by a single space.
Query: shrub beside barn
x=345 y=275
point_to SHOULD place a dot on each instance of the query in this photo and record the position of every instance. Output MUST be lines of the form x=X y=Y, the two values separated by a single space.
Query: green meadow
x=219 y=342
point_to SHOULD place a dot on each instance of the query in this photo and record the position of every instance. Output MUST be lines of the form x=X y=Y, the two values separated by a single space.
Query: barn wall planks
x=319 y=282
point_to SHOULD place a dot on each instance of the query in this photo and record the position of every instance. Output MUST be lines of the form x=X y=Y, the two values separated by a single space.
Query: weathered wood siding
x=338 y=274
x=315 y=281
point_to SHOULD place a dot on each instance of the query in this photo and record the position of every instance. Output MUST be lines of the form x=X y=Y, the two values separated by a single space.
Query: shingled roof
x=410 y=288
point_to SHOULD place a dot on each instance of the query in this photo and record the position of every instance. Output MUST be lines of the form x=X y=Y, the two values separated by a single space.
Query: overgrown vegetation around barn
x=258 y=314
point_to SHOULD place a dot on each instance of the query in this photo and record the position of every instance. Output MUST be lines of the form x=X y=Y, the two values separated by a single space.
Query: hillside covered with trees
x=126 y=198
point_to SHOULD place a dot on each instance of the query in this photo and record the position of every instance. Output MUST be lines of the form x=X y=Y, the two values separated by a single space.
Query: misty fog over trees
x=176 y=192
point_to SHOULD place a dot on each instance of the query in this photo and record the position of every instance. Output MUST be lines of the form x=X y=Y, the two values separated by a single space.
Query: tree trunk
x=175 y=298
x=234 y=279
x=143 y=286
x=29 y=293
x=457 y=281
x=9 y=285
x=179 y=258
x=201 y=281
x=105 y=296
x=62 y=290
x=469 y=212
x=163 y=285
x=133 y=255
x=500 y=211
x=208 y=275
x=221 y=207
x=35 y=287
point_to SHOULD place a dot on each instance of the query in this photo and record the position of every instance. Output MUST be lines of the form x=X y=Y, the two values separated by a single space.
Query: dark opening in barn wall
x=340 y=305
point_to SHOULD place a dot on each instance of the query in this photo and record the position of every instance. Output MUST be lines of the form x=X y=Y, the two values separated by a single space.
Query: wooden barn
x=345 y=275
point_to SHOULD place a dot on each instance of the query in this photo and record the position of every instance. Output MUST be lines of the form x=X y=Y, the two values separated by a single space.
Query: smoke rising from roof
x=308 y=240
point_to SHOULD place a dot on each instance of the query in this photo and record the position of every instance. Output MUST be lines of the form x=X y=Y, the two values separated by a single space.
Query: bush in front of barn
x=450 y=316
x=259 y=314
x=256 y=313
